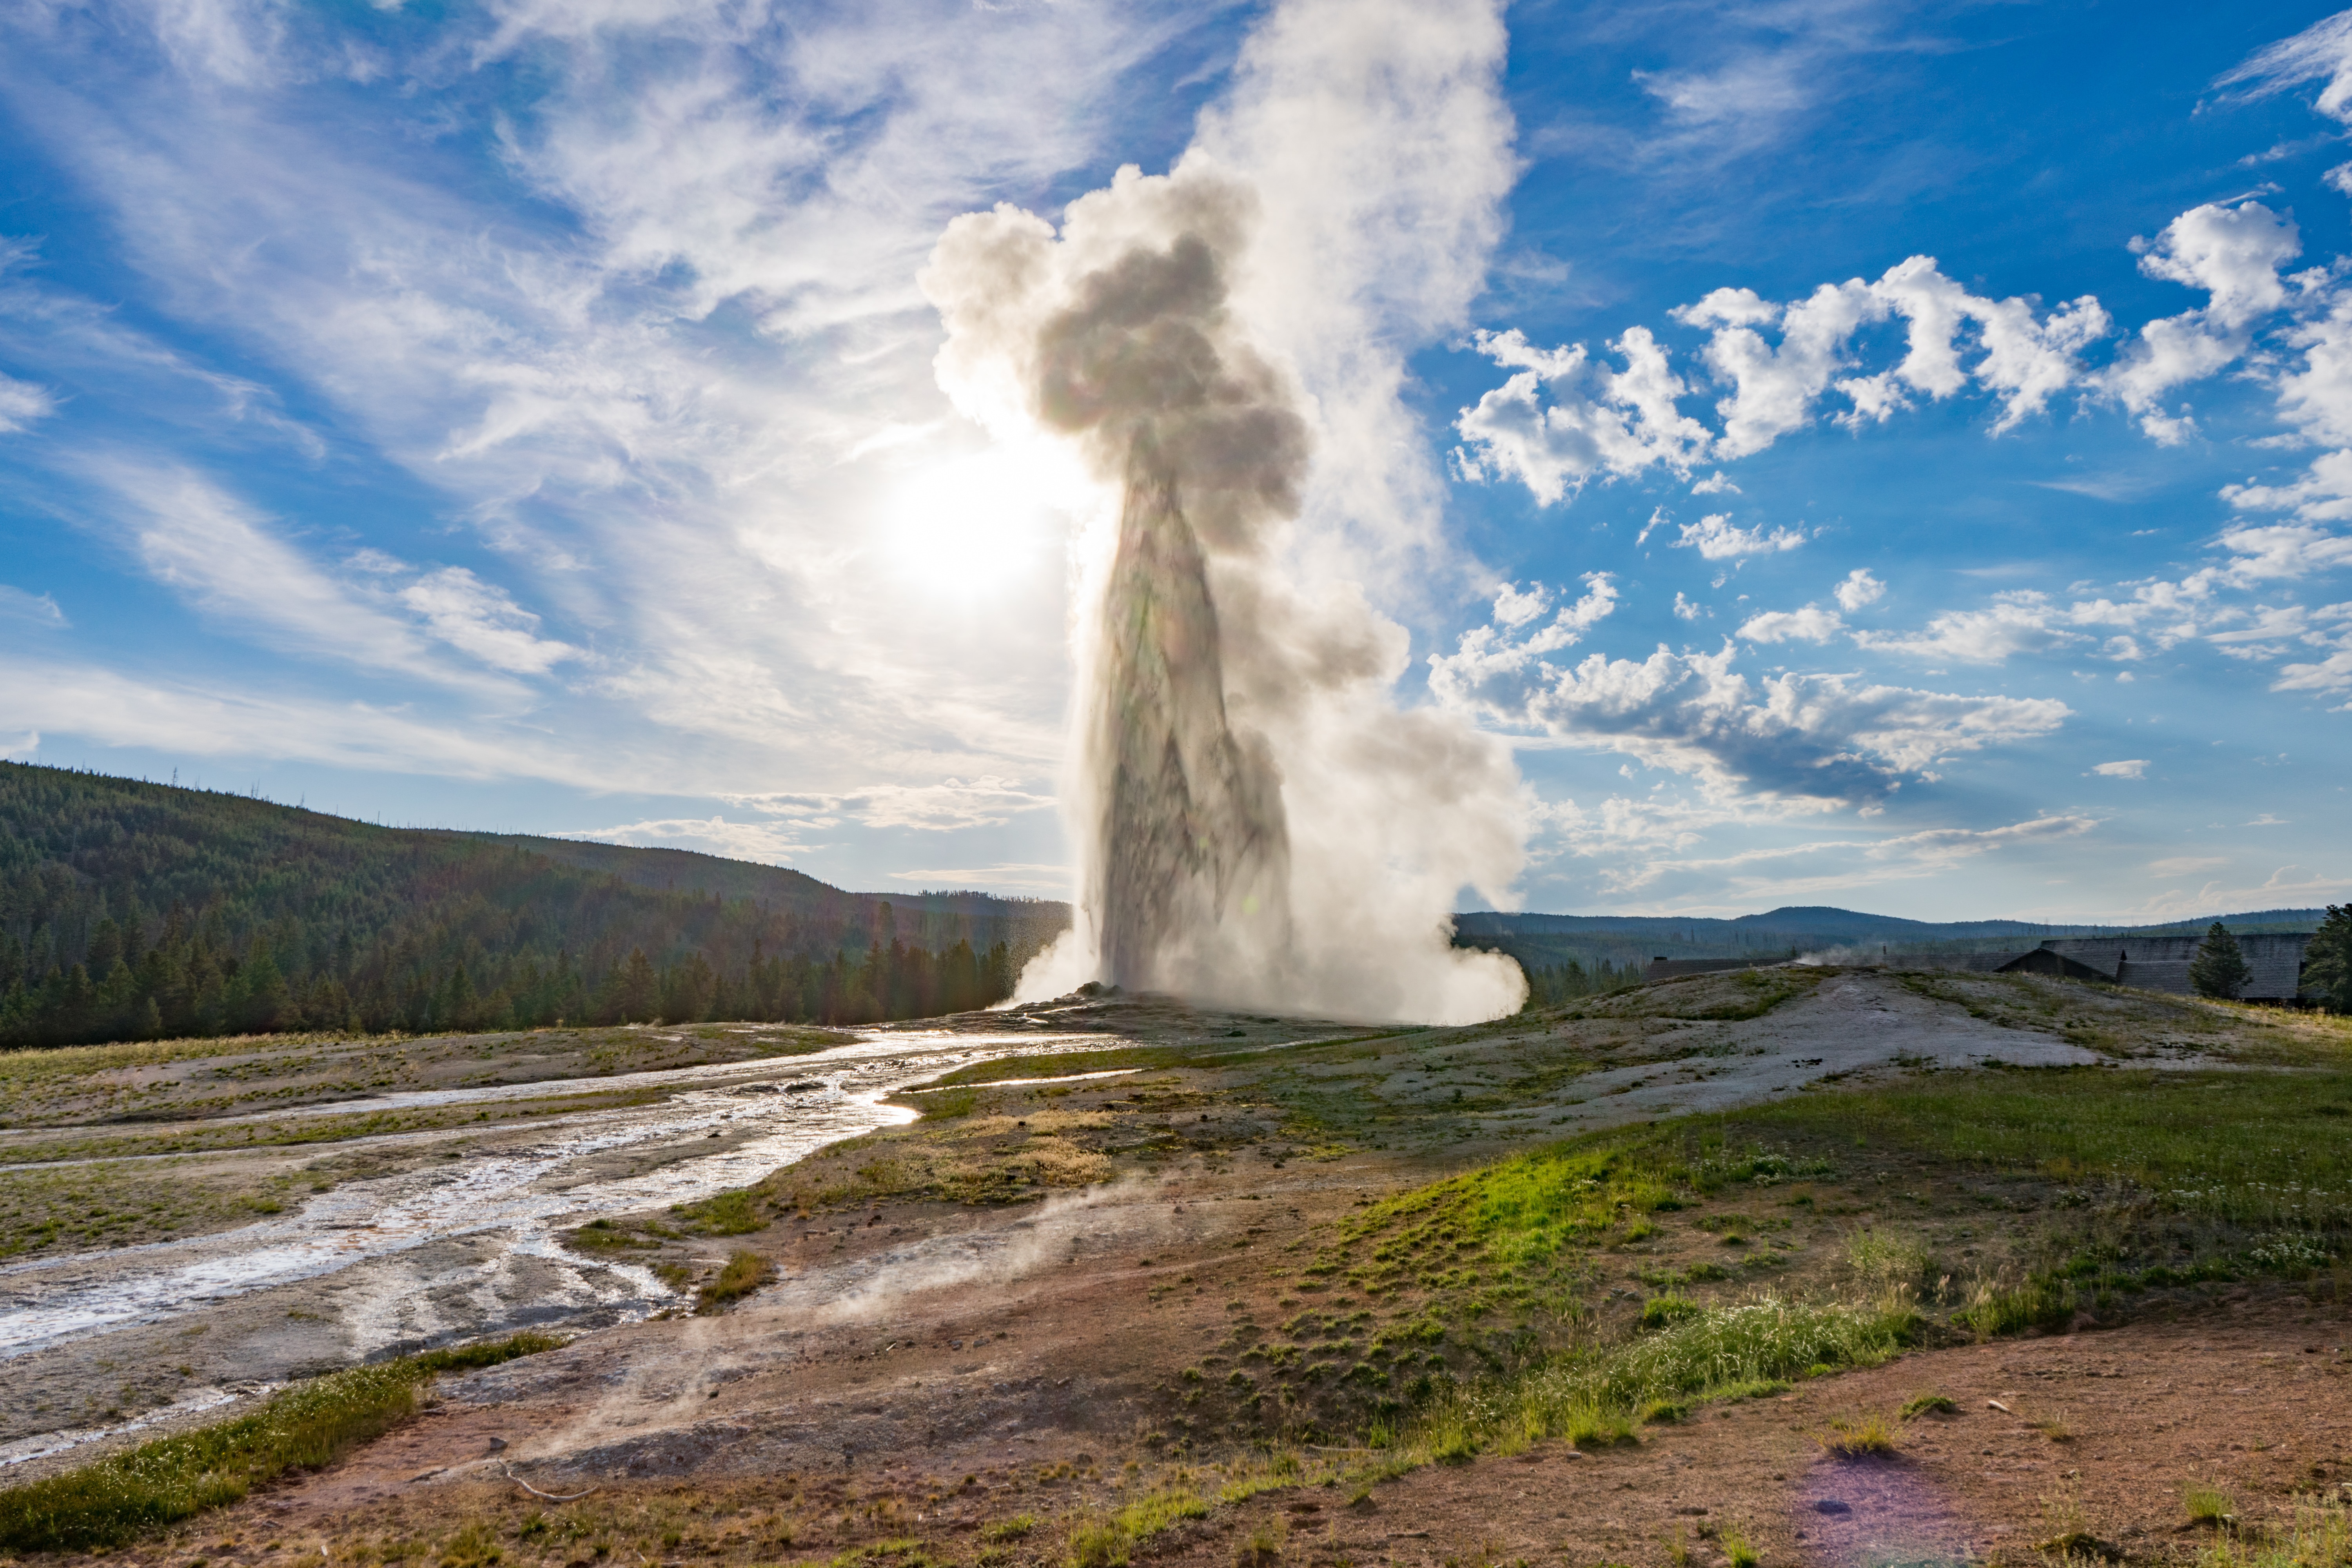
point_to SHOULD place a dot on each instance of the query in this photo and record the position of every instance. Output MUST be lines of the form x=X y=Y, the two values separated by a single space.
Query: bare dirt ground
x=1047 y=1299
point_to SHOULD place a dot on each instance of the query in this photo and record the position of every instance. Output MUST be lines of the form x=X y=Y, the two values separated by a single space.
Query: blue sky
x=523 y=417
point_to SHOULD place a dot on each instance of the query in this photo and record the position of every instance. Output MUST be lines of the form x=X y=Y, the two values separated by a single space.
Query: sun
x=982 y=524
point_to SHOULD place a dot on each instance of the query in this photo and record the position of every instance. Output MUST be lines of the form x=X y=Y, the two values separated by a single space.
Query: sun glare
x=982 y=523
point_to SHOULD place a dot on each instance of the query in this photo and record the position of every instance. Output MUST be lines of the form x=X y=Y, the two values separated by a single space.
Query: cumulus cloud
x=2234 y=255
x=1810 y=624
x=1600 y=420
x=1715 y=538
x=2137 y=768
x=1827 y=738
x=2024 y=359
x=1859 y=589
x=1498 y=659
x=1773 y=387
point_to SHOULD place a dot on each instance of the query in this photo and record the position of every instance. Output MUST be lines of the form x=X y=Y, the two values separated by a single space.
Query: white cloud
x=1948 y=844
x=2232 y=253
x=1715 y=484
x=1774 y=388
x=21 y=403
x=113 y=709
x=2016 y=623
x=2024 y=359
x=2281 y=551
x=1015 y=877
x=1689 y=610
x=1825 y=739
x=2137 y=768
x=2322 y=51
x=1715 y=538
x=30 y=609
x=1600 y=420
x=226 y=558
x=2184 y=865
x=230 y=560
x=1493 y=658
x=2331 y=674
x=1810 y=624
x=478 y=618
x=1859 y=589
x=950 y=805
x=767 y=842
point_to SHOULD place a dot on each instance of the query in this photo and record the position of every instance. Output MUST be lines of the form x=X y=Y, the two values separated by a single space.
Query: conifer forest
x=137 y=910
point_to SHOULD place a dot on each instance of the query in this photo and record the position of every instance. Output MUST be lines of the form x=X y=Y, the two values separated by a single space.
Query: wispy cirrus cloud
x=28 y=609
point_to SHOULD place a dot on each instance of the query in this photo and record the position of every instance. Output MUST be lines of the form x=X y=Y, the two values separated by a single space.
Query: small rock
x=497 y=1444
x=1831 y=1505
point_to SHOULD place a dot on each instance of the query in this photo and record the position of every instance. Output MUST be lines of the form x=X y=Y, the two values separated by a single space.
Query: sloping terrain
x=1209 y=1291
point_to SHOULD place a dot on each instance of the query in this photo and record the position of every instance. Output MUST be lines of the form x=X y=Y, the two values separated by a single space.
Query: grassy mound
x=305 y=1424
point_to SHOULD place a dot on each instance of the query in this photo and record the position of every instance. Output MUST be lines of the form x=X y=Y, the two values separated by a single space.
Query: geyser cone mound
x=1192 y=866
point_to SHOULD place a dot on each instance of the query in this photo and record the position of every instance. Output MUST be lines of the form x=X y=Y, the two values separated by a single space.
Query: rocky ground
x=1048 y=1300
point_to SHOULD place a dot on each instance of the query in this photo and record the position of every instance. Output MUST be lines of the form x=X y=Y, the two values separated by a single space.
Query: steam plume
x=1200 y=666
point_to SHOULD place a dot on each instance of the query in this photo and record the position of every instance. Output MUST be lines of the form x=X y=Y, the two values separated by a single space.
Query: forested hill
x=132 y=909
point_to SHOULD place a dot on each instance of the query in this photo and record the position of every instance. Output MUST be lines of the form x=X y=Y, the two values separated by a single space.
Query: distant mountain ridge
x=129 y=909
x=1548 y=943
x=1848 y=925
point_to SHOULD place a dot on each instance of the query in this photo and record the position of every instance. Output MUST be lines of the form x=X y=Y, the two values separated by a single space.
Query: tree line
x=135 y=910
x=1551 y=985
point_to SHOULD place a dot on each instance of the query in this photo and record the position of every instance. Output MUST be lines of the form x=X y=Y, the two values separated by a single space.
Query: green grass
x=2262 y=1151
x=120 y=1498
x=2320 y=1536
x=735 y=1213
x=744 y=1273
x=1110 y=1542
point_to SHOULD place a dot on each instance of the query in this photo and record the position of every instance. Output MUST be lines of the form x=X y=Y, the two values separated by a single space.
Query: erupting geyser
x=1191 y=837
x=1206 y=678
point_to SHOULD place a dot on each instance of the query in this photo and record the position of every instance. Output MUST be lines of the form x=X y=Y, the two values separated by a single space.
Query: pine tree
x=2327 y=961
x=2220 y=967
x=638 y=997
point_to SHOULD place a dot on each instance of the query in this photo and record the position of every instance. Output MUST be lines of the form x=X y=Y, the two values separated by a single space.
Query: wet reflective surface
x=470 y=1247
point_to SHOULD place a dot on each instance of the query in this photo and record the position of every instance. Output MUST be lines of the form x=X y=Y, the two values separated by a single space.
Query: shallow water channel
x=379 y=1248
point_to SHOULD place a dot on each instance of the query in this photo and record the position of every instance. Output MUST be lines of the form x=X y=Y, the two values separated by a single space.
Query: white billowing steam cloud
x=1259 y=824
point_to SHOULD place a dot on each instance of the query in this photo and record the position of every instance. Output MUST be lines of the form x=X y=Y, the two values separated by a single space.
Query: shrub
x=1868 y=1436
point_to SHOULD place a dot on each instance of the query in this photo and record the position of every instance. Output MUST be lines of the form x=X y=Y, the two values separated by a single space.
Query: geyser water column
x=1117 y=335
x=1190 y=852
x=1206 y=672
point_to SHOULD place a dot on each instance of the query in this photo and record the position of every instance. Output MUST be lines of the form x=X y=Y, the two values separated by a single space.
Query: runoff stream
x=431 y=1255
